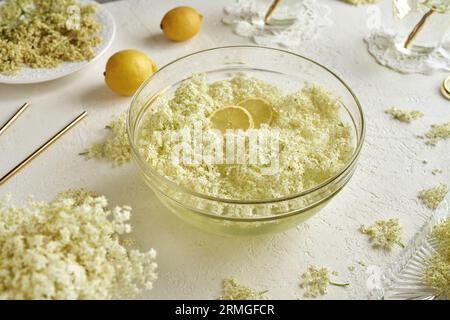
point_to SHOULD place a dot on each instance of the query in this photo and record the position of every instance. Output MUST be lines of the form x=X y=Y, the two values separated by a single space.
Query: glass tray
x=403 y=279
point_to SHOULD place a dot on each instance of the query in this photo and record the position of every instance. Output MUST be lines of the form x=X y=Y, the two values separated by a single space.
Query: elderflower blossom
x=383 y=233
x=437 y=273
x=315 y=280
x=116 y=147
x=233 y=290
x=44 y=34
x=436 y=133
x=70 y=248
x=313 y=141
x=404 y=115
x=433 y=197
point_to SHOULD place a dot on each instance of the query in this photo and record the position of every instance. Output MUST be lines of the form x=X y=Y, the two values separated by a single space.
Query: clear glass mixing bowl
x=284 y=69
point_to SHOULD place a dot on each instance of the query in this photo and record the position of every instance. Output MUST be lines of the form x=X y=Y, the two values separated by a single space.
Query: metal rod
x=42 y=148
x=14 y=117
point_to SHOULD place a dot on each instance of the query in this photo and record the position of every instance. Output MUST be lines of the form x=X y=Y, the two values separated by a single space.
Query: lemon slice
x=231 y=117
x=260 y=109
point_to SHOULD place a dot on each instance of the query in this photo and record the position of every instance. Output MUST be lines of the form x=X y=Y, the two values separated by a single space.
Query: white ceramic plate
x=106 y=34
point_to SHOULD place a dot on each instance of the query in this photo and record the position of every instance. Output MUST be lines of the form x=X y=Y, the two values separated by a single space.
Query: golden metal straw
x=417 y=28
x=42 y=148
x=14 y=117
x=272 y=8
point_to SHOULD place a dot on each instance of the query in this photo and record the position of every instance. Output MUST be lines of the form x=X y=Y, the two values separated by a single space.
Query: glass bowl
x=281 y=68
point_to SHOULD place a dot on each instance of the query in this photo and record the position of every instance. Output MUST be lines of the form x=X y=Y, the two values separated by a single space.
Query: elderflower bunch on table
x=316 y=280
x=233 y=290
x=404 y=115
x=437 y=133
x=70 y=248
x=116 y=147
x=433 y=197
x=383 y=233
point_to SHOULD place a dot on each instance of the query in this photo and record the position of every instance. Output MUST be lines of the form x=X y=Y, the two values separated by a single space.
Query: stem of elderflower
x=339 y=284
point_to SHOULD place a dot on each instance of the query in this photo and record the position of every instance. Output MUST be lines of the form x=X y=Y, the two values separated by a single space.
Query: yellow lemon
x=126 y=70
x=260 y=109
x=181 y=23
x=231 y=117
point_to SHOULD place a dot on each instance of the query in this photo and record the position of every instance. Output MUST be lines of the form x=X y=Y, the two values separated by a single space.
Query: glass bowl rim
x=324 y=183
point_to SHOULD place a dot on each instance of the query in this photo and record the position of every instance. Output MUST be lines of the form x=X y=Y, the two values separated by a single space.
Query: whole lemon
x=126 y=70
x=181 y=23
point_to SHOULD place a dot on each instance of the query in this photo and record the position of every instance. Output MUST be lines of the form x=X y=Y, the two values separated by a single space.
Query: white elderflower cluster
x=436 y=133
x=437 y=272
x=383 y=233
x=315 y=280
x=233 y=290
x=70 y=248
x=116 y=147
x=404 y=115
x=433 y=197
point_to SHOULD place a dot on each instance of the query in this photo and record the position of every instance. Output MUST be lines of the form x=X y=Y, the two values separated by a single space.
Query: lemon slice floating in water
x=260 y=109
x=231 y=117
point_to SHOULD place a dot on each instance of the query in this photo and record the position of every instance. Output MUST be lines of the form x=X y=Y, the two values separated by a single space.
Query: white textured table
x=192 y=263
